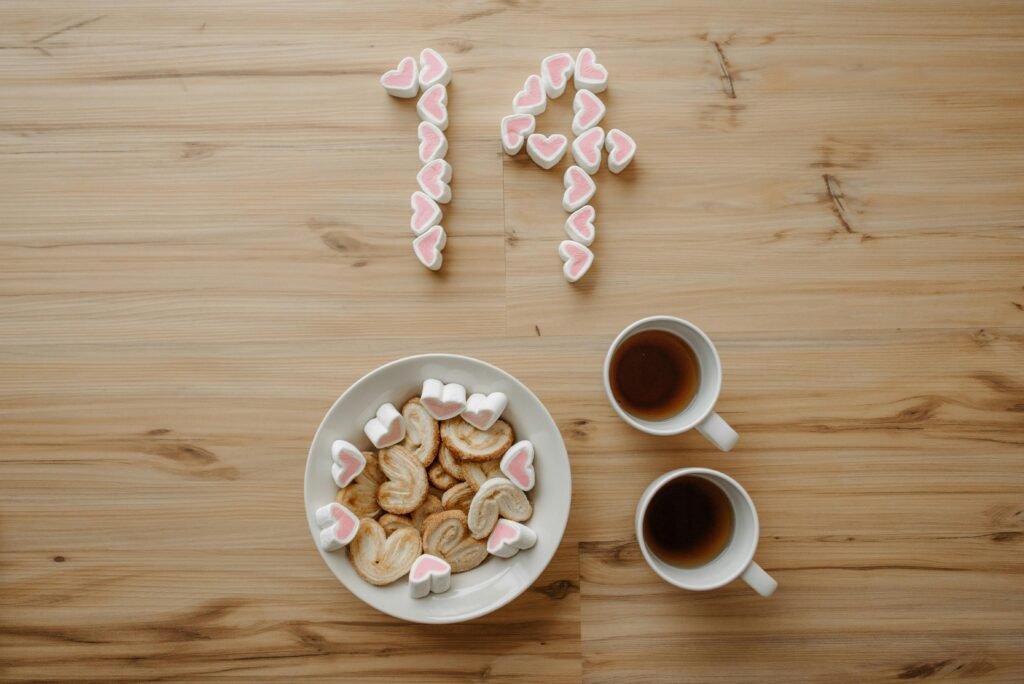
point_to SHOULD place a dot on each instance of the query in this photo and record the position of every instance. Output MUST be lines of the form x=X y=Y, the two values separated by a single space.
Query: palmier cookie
x=478 y=473
x=450 y=463
x=440 y=478
x=470 y=444
x=446 y=536
x=458 y=497
x=422 y=434
x=391 y=522
x=430 y=506
x=497 y=498
x=379 y=558
x=360 y=496
x=406 y=487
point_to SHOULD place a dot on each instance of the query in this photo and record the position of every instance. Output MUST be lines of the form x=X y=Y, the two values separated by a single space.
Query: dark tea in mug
x=689 y=522
x=654 y=375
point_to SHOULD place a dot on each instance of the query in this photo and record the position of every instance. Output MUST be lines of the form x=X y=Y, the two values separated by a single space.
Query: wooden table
x=203 y=210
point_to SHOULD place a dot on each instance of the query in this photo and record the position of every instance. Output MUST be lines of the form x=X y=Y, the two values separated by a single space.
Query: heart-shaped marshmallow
x=387 y=428
x=589 y=75
x=443 y=401
x=483 y=410
x=555 y=71
x=425 y=212
x=514 y=130
x=433 y=106
x=348 y=462
x=586 y=149
x=579 y=188
x=578 y=259
x=434 y=178
x=517 y=464
x=428 y=246
x=401 y=82
x=531 y=99
x=338 y=526
x=589 y=111
x=429 y=575
x=433 y=143
x=509 y=538
x=621 y=149
x=546 y=150
x=433 y=69
x=580 y=225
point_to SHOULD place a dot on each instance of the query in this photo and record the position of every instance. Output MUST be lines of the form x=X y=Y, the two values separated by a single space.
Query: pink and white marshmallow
x=517 y=465
x=580 y=225
x=578 y=259
x=546 y=150
x=434 y=70
x=531 y=99
x=589 y=110
x=483 y=410
x=429 y=575
x=433 y=143
x=347 y=462
x=402 y=81
x=579 y=188
x=509 y=538
x=586 y=150
x=555 y=72
x=621 y=149
x=338 y=526
x=588 y=74
x=387 y=427
x=434 y=179
x=433 y=106
x=515 y=128
x=443 y=401
x=425 y=212
x=428 y=247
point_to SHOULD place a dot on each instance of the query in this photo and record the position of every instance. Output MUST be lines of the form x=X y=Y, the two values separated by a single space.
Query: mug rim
x=660 y=428
x=645 y=500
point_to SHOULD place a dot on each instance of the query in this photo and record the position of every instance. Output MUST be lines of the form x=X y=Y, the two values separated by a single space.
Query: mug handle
x=759 y=580
x=718 y=432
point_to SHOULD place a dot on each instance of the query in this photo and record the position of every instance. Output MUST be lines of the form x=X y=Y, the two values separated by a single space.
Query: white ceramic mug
x=699 y=413
x=736 y=560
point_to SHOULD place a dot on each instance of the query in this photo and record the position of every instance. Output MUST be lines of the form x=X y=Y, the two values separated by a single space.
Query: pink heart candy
x=427 y=565
x=345 y=522
x=433 y=143
x=589 y=111
x=502 y=532
x=586 y=149
x=621 y=149
x=577 y=258
x=433 y=106
x=425 y=212
x=517 y=465
x=555 y=71
x=433 y=68
x=580 y=225
x=433 y=179
x=589 y=74
x=579 y=188
x=514 y=131
x=531 y=99
x=402 y=77
x=428 y=247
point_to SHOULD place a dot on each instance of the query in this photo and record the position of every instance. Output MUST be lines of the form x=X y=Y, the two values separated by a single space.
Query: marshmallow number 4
x=517 y=465
x=509 y=538
x=483 y=410
x=429 y=575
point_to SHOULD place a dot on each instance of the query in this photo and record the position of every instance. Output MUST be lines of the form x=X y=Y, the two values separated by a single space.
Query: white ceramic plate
x=497 y=580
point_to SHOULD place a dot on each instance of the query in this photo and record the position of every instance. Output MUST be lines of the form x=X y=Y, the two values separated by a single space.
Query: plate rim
x=504 y=600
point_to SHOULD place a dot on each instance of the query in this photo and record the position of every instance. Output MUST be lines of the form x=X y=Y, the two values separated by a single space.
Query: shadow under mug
x=735 y=560
x=699 y=413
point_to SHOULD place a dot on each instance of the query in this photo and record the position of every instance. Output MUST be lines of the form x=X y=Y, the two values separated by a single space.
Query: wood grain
x=203 y=242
